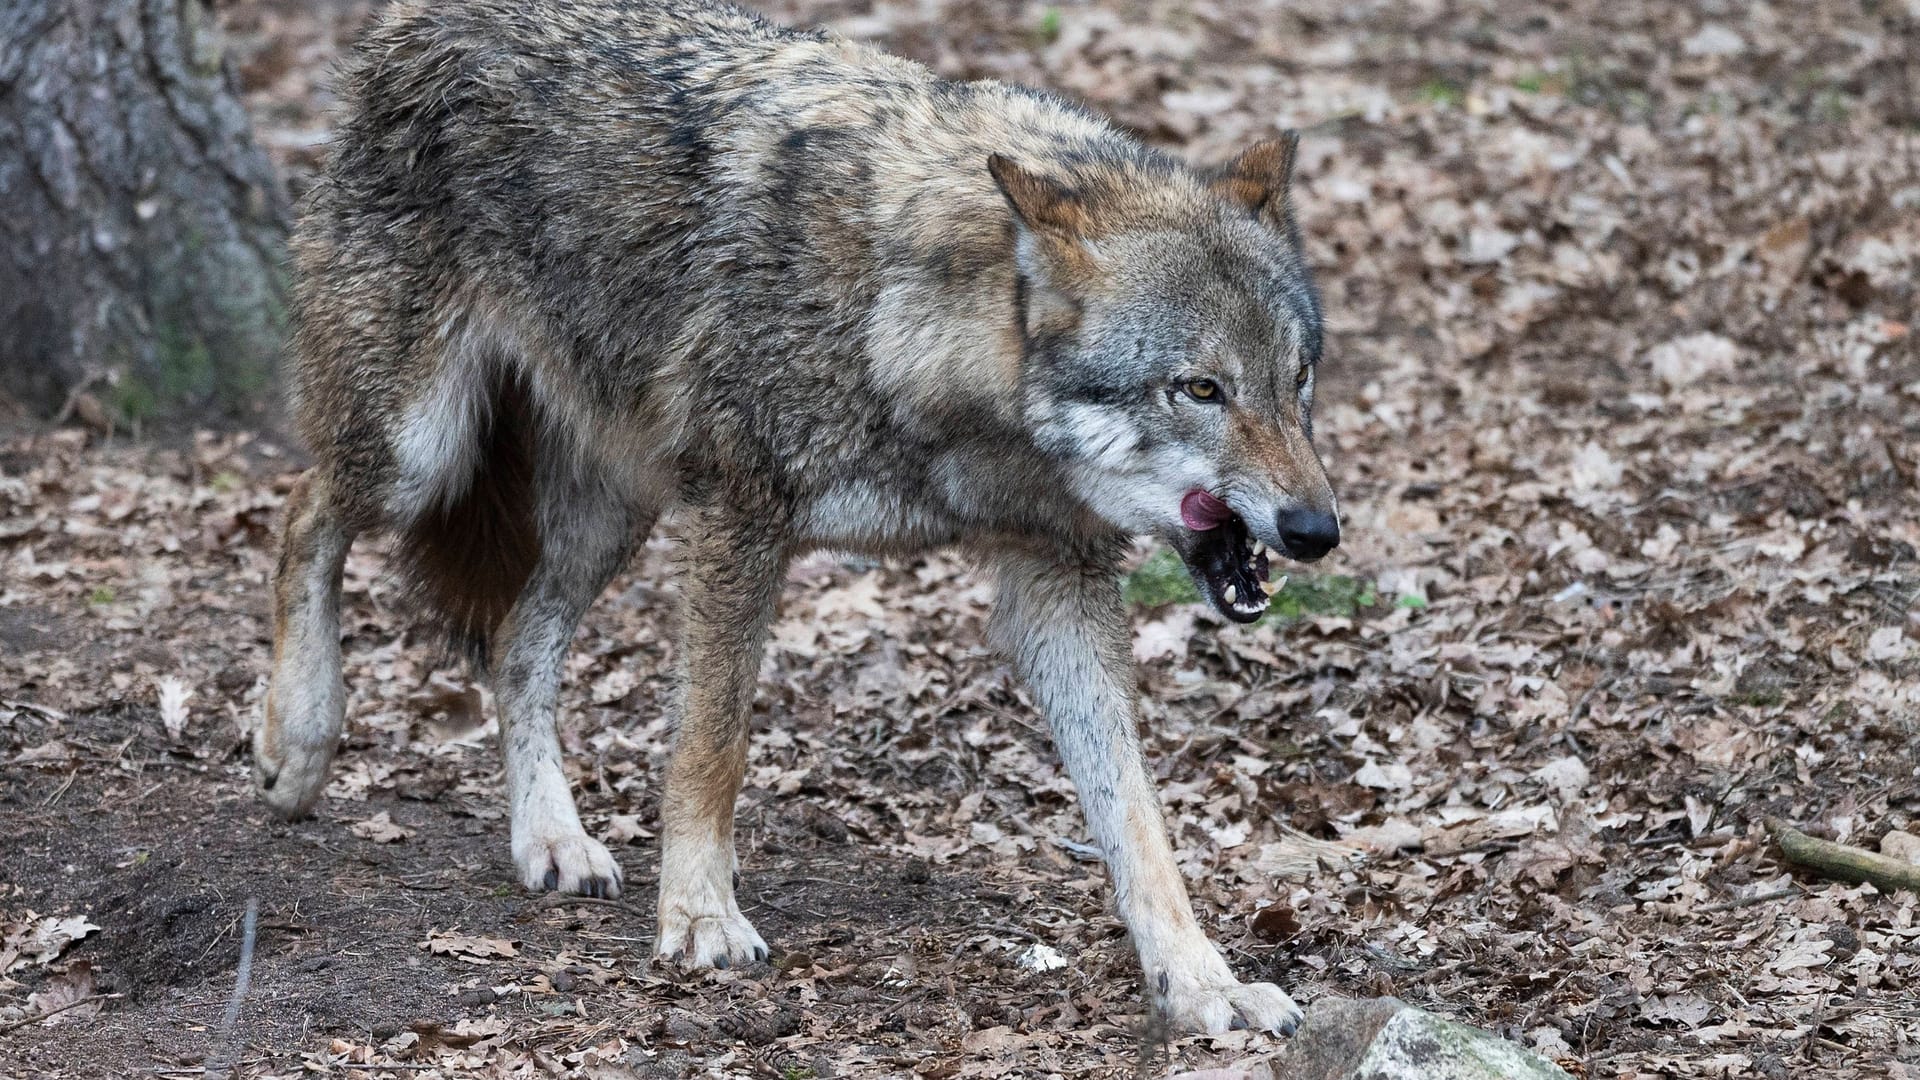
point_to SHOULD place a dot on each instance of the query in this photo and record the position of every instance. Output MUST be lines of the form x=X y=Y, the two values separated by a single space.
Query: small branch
x=222 y=1064
x=1841 y=862
x=557 y=900
x=86 y=382
x=37 y=1017
x=1748 y=901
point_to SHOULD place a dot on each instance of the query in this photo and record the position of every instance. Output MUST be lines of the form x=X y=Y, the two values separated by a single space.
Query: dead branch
x=37 y=1017
x=1842 y=862
x=1748 y=901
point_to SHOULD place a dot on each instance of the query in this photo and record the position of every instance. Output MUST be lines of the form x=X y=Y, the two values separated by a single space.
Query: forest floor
x=1622 y=401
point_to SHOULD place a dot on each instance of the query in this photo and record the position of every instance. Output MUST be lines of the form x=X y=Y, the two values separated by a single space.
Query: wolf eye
x=1300 y=378
x=1202 y=390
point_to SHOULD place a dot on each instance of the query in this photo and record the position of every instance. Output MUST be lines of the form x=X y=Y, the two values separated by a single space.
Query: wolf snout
x=1307 y=534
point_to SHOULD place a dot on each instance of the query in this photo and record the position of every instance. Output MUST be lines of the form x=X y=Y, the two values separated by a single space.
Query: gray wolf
x=574 y=263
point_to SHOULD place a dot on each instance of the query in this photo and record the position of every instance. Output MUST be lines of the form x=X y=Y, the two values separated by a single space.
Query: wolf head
x=1172 y=335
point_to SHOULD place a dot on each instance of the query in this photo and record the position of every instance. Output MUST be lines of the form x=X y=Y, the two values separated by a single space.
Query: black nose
x=1308 y=534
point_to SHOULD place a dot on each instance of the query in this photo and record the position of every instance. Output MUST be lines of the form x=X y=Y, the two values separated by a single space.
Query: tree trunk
x=141 y=228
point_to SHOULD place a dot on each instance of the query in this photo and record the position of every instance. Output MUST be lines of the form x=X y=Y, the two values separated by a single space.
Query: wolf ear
x=1260 y=177
x=1049 y=220
x=1042 y=204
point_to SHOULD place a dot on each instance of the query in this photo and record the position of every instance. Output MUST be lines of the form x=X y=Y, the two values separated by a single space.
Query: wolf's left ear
x=1042 y=203
x=1260 y=177
x=1050 y=220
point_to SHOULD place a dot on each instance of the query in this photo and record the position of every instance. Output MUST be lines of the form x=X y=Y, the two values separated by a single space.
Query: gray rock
x=1387 y=1039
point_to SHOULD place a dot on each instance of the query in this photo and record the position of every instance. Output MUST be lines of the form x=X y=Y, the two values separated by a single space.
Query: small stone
x=1904 y=846
x=1387 y=1039
x=1714 y=39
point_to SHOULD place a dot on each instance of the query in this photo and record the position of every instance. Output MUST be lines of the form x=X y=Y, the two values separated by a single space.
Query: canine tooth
x=1230 y=593
x=1259 y=549
x=1274 y=586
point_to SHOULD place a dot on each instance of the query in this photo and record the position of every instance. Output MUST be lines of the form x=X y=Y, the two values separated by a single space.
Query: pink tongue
x=1202 y=511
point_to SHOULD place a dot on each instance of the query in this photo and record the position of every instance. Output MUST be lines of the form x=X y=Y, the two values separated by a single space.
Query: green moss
x=183 y=364
x=133 y=398
x=218 y=315
x=1048 y=31
x=1442 y=92
x=1538 y=81
x=100 y=596
x=1163 y=580
x=1831 y=106
x=1321 y=594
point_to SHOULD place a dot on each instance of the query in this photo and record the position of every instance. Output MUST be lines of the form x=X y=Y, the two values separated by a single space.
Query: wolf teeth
x=1232 y=594
x=1274 y=586
x=1259 y=549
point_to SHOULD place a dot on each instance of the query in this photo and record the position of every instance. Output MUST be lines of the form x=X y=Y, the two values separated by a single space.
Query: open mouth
x=1229 y=565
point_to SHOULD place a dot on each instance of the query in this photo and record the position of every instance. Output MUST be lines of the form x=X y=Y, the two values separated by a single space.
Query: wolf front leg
x=730 y=582
x=1065 y=627
x=306 y=700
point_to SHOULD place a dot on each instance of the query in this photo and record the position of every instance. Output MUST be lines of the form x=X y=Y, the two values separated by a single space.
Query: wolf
x=576 y=263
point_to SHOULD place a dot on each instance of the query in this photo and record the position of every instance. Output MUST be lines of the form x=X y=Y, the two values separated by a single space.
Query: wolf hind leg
x=588 y=526
x=735 y=565
x=306 y=698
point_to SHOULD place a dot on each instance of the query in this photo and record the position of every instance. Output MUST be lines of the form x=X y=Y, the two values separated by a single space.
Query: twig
x=1842 y=862
x=61 y=790
x=84 y=384
x=1600 y=686
x=44 y=711
x=221 y=1064
x=37 y=1017
x=555 y=900
x=1748 y=901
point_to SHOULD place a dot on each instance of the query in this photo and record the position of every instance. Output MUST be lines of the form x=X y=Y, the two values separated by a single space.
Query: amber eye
x=1301 y=377
x=1202 y=390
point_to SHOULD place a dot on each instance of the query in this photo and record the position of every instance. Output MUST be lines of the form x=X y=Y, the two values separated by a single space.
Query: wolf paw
x=289 y=777
x=701 y=941
x=569 y=863
x=1212 y=1008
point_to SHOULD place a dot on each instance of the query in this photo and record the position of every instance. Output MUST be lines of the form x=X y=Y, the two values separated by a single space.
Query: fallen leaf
x=467 y=947
x=62 y=991
x=41 y=939
x=380 y=829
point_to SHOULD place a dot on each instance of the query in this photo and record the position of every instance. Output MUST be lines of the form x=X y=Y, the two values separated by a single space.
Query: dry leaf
x=380 y=829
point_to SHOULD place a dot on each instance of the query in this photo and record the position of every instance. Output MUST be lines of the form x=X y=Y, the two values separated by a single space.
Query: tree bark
x=141 y=227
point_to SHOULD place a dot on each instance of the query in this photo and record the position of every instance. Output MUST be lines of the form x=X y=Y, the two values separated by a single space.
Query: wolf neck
x=888 y=166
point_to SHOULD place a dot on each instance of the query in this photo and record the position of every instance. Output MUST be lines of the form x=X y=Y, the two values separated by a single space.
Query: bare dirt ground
x=1624 y=407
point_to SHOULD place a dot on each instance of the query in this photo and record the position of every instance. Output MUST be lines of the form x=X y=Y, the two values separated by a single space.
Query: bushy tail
x=465 y=562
